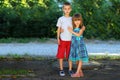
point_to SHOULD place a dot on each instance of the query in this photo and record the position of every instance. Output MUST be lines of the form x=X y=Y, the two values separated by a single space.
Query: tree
x=99 y=17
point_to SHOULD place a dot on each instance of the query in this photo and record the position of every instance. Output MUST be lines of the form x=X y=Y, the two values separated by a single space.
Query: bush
x=37 y=18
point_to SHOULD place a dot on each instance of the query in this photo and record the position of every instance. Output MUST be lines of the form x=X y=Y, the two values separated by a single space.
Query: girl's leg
x=79 y=70
x=81 y=73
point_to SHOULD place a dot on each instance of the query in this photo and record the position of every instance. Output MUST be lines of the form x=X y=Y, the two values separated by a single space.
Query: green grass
x=22 y=40
x=19 y=57
x=103 y=57
x=13 y=56
x=30 y=57
x=14 y=72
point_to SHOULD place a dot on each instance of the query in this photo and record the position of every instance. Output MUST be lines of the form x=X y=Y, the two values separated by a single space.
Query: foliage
x=28 y=18
x=101 y=17
x=37 y=18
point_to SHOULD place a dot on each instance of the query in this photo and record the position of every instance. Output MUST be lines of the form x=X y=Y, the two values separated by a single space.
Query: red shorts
x=63 y=49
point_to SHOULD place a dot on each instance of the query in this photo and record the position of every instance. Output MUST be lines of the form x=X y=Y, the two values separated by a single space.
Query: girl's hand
x=61 y=30
x=70 y=29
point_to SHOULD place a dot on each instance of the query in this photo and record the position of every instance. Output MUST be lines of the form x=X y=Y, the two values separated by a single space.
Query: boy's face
x=66 y=9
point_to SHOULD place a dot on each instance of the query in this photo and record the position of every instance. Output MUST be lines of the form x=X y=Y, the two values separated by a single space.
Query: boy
x=64 y=38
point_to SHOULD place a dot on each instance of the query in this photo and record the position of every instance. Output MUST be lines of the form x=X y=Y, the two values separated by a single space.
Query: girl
x=78 y=52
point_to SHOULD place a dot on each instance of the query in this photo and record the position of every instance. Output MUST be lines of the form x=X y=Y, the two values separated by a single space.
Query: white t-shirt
x=64 y=23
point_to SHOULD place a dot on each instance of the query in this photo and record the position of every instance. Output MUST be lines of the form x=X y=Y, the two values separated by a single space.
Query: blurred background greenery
x=37 y=18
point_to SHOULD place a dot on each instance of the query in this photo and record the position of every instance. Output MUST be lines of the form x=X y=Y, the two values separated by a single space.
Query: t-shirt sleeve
x=59 y=23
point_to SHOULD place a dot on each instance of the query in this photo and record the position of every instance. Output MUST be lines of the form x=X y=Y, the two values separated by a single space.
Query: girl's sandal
x=81 y=74
x=75 y=75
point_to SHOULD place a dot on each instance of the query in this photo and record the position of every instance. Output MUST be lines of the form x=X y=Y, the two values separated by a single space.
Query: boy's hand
x=83 y=28
x=58 y=40
x=70 y=29
x=61 y=30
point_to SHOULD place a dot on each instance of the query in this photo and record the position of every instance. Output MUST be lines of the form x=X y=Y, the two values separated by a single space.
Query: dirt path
x=44 y=70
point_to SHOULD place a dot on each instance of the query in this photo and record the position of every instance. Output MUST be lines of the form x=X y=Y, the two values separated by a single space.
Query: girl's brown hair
x=77 y=17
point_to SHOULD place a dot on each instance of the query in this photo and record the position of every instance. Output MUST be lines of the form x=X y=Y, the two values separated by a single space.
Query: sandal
x=75 y=75
x=81 y=74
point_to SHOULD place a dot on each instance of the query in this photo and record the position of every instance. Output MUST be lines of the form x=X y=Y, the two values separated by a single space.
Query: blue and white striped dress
x=78 y=49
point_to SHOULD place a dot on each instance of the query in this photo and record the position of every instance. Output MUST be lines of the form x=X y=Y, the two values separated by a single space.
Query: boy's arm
x=58 y=35
x=83 y=28
x=61 y=30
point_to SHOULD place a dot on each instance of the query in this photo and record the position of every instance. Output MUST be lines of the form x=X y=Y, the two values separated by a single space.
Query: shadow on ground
x=44 y=70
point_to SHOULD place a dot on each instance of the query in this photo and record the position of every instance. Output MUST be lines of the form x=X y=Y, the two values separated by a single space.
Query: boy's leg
x=61 y=64
x=67 y=54
x=67 y=57
x=70 y=68
x=70 y=65
x=61 y=72
x=77 y=62
x=60 y=56
x=68 y=44
x=60 y=53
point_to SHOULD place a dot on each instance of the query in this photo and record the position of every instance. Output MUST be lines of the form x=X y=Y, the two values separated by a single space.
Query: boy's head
x=67 y=8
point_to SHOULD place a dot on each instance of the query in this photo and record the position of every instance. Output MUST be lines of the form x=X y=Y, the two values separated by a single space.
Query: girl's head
x=77 y=20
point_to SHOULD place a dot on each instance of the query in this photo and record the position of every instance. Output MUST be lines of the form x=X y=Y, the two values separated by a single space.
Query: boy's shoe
x=62 y=73
x=70 y=72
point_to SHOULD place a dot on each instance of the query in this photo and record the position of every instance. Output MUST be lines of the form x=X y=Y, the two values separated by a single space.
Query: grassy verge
x=18 y=57
x=22 y=40
x=29 y=57
x=14 y=71
x=104 y=57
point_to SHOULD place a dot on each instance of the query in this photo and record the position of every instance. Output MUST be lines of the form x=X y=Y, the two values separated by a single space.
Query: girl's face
x=77 y=23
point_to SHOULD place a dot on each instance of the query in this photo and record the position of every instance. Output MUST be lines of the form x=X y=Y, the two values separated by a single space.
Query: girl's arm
x=77 y=34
